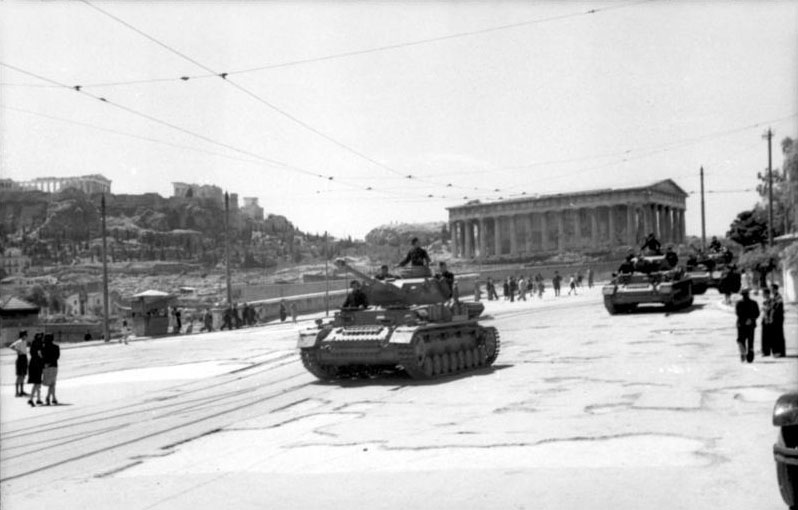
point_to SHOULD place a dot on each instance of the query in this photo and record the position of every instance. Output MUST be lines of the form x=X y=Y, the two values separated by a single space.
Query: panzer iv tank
x=408 y=327
x=652 y=282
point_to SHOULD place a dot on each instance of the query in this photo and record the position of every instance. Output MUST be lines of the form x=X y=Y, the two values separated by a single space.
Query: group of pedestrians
x=41 y=366
x=772 y=322
x=517 y=288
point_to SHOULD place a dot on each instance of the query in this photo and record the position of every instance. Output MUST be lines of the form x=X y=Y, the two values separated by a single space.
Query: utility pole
x=106 y=332
x=769 y=137
x=227 y=247
x=326 y=279
x=703 y=215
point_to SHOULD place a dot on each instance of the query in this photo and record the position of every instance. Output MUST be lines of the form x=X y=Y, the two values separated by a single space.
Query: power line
x=268 y=104
x=283 y=165
x=345 y=54
x=123 y=133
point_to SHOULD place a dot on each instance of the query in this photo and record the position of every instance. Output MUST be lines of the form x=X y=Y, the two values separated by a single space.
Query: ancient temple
x=583 y=221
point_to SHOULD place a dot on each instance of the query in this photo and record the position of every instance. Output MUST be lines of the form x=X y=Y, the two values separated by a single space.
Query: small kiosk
x=150 y=313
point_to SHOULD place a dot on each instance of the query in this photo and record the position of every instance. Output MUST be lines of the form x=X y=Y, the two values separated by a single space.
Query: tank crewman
x=417 y=256
x=384 y=274
x=671 y=258
x=652 y=244
x=447 y=276
x=356 y=297
x=627 y=266
x=714 y=245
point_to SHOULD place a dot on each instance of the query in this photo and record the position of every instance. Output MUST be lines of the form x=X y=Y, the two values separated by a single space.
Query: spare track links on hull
x=419 y=359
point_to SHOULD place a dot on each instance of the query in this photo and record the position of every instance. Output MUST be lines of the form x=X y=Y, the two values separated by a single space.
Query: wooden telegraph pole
x=227 y=247
x=106 y=329
x=769 y=137
x=703 y=215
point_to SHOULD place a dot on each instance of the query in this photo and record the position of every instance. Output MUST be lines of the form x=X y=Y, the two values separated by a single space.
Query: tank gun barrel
x=343 y=264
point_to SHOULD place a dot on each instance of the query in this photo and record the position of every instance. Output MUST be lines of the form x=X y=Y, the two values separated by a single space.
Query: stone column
x=528 y=228
x=453 y=235
x=513 y=234
x=482 y=244
x=560 y=230
x=611 y=225
x=631 y=225
x=594 y=237
x=577 y=228
x=660 y=221
x=468 y=232
x=544 y=232
x=497 y=236
x=682 y=227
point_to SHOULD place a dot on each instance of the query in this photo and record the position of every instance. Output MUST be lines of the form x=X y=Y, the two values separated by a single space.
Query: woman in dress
x=35 y=369
x=50 y=354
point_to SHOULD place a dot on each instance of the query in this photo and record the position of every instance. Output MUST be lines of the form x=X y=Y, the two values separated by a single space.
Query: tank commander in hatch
x=627 y=266
x=652 y=244
x=356 y=297
x=384 y=274
x=447 y=276
x=671 y=258
x=417 y=256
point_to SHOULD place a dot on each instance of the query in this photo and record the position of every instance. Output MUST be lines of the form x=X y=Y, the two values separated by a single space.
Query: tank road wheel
x=482 y=355
x=445 y=366
x=312 y=365
x=454 y=362
x=469 y=358
x=436 y=364
x=492 y=345
x=429 y=368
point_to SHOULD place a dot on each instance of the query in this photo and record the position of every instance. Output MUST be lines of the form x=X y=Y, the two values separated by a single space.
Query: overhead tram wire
x=268 y=104
x=377 y=49
x=131 y=135
x=207 y=139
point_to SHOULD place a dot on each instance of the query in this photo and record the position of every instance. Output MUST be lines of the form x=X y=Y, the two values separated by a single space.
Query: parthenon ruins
x=580 y=221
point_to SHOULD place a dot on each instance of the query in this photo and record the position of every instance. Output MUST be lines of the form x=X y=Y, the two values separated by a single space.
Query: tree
x=784 y=189
x=750 y=227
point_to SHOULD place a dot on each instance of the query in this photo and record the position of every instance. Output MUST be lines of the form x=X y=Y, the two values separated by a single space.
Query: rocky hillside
x=400 y=234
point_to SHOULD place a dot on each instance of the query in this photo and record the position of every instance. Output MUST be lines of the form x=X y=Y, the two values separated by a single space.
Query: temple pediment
x=669 y=187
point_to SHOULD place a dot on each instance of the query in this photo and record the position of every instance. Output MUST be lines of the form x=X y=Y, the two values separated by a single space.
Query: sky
x=343 y=116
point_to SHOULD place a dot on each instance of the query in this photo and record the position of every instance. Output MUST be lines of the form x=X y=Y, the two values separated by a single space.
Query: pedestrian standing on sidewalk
x=747 y=313
x=572 y=285
x=35 y=368
x=589 y=278
x=51 y=352
x=125 y=333
x=178 y=322
x=293 y=312
x=555 y=283
x=20 y=346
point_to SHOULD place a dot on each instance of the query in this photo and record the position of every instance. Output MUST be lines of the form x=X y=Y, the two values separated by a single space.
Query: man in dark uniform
x=417 y=256
x=445 y=275
x=715 y=245
x=384 y=274
x=747 y=313
x=652 y=244
x=356 y=297
x=671 y=258
x=627 y=266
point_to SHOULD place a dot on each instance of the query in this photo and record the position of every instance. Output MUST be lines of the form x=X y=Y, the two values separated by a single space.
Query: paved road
x=580 y=410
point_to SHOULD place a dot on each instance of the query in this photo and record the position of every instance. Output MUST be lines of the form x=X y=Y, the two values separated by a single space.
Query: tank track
x=311 y=362
x=419 y=365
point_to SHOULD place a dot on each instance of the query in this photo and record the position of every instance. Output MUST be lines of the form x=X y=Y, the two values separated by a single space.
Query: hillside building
x=94 y=183
x=251 y=208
